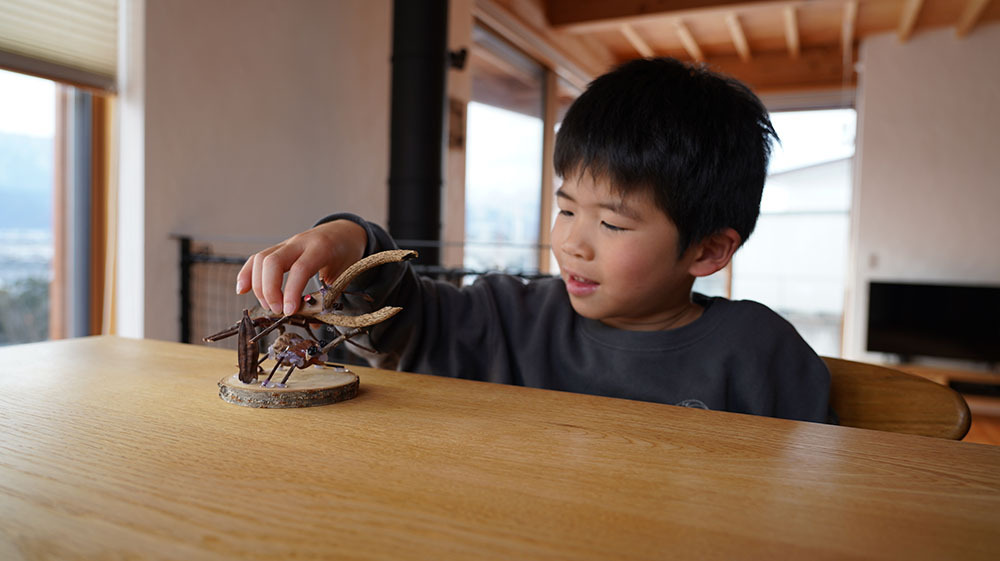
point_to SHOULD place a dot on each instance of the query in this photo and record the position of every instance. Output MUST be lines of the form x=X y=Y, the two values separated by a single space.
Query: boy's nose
x=575 y=244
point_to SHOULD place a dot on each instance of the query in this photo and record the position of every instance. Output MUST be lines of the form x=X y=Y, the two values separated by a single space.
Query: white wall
x=260 y=118
x=129 y=279
x=927 y=190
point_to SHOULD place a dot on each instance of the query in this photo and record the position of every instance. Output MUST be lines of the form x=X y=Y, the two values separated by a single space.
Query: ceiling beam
x=690 y=45
x=908 y=19
x=739 y=37
x=792 y=32
x=583 y=16
x=637 y=42
x=771 y=72
x=847 y=30
x=970 y=16
x=577 y=61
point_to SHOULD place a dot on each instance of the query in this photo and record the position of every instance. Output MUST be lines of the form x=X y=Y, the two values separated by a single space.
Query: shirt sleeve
x=441 y=329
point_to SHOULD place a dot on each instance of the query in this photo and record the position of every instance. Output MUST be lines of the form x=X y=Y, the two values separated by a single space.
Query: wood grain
x=312 y=387
x=876 y=397
x=119 y=449
x=777 y=30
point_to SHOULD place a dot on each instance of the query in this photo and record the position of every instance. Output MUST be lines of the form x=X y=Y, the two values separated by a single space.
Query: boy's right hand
x=327 y=249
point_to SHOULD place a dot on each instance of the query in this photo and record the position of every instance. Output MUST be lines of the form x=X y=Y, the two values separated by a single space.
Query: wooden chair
x=875 y=397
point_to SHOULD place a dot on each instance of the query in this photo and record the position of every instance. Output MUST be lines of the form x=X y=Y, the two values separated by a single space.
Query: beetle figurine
x=320 y=307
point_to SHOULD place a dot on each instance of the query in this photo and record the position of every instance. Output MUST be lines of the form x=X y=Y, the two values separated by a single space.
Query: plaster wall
x=258 y=118
x=927 y=194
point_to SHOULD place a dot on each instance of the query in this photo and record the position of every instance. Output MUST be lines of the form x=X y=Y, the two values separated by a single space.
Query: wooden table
x=121 y=449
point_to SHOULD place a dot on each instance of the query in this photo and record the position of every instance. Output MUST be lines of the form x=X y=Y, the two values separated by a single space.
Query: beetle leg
x=343 y=337
x=223 y=334
x=362 y=347
x=273 y=370
x=229 y=332
x=285 y=379
x=272 y=327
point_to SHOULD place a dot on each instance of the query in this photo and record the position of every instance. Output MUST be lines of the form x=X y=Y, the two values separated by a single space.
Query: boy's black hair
x=698 y=141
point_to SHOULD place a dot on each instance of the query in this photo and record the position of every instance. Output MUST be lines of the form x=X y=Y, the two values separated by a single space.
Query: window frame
x=558 y=75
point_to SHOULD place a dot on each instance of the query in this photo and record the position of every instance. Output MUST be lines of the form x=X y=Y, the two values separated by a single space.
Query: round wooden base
x=317 y=385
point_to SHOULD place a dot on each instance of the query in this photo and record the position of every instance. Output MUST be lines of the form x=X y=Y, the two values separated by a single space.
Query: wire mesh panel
x=214 y=304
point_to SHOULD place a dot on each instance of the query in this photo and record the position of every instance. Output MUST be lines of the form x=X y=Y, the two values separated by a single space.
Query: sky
x=812 y=137
x=27 y=105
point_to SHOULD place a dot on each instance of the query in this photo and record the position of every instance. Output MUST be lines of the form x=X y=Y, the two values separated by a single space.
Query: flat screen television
x=934 y=320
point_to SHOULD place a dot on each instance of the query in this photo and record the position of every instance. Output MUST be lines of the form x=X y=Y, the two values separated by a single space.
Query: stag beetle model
x=320 y=307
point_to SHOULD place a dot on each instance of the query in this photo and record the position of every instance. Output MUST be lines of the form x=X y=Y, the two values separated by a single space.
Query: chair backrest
x=876 y=397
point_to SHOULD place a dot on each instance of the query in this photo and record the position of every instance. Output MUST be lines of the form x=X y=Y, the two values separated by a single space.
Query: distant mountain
x=25 y=181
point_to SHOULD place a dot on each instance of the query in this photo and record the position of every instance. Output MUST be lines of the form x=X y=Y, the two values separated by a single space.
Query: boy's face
x=619 y=259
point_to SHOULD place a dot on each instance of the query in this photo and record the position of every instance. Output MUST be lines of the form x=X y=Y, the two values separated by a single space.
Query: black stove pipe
x=416 y=151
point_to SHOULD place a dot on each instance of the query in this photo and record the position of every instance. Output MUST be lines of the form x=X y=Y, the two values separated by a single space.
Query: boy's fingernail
x=289 y=308
x=239 y=286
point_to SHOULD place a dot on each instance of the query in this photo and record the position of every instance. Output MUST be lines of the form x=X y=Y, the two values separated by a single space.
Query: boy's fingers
x=301 y=256
x=326 y=274
x=298 y=277
x=272 y=273
x=258 y=290
x=244 y=279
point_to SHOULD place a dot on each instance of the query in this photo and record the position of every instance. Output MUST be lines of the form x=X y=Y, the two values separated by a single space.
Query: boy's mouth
x=580 y=286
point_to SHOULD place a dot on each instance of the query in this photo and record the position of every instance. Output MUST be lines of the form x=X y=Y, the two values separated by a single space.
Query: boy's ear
x=714 y=252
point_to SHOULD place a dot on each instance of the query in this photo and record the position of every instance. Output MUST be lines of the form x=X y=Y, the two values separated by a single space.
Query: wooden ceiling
x=773 y=45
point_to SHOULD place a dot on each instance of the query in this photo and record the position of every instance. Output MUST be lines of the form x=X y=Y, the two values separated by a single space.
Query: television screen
x=936 y=320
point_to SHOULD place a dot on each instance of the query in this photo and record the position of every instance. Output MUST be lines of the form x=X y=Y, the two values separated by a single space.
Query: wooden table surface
x=121 y=449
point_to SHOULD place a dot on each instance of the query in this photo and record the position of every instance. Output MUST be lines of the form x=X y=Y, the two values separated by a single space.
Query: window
x=54 y=164
x=516 y=105
x=27 y=157
x=54 y=187
x=796 y=260
x=503 y=185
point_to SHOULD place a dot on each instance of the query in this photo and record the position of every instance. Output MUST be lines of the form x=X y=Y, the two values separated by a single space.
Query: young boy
x=663 y=165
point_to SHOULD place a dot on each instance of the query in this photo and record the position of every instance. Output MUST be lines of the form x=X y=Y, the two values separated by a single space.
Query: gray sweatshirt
x=738 y=356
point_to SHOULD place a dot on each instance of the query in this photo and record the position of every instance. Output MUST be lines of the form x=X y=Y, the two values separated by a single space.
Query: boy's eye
x=612 y=227
x=565 y=212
